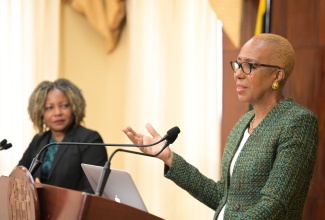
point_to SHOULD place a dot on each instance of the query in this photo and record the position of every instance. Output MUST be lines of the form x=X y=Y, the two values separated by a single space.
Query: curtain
x=230 y=13
x=29 y=43
x=107 y=17
x=174 y=79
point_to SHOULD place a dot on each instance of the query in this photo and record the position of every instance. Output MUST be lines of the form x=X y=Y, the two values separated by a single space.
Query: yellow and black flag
x=263 y=18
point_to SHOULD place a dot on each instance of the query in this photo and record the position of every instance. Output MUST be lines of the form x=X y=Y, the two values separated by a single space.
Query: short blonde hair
x=36 y=105
x=284 y=54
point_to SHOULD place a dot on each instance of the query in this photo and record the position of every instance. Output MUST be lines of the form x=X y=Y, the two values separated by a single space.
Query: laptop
x=119 y=186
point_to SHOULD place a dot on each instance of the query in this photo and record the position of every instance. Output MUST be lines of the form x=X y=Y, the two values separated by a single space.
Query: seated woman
x=57 y=110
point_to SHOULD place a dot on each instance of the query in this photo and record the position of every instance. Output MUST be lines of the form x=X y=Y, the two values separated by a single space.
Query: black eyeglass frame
x=251 y=65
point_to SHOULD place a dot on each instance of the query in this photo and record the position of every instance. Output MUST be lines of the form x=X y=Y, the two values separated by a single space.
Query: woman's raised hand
x=140 y=139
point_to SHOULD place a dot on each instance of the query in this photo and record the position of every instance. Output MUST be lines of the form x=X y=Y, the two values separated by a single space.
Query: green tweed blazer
x=272 y=174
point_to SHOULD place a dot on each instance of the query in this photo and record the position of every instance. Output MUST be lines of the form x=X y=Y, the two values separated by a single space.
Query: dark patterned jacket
x=272 y=174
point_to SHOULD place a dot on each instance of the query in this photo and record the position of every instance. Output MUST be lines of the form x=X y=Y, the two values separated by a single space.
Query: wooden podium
x=23 y=199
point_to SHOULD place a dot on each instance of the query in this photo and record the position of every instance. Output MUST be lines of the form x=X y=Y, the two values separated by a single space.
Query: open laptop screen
x=119 y=187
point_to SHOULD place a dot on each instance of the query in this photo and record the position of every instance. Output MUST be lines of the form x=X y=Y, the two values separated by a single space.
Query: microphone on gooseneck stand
x=170 y=137
x=4 y=145
x=36 y=162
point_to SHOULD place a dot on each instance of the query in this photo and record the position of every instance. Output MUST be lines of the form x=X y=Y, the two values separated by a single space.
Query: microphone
x=170 y=137
x=36 y=162
x=4 y=145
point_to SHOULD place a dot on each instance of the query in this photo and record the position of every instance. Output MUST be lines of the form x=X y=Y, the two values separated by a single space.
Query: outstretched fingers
x=135 y=137
x=152 y=131
x=140 y=139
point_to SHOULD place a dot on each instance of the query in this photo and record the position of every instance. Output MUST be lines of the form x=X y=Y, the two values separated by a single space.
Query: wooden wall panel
x=301 y=21
x=303 y=84
x=321 y=24
x=233 y=109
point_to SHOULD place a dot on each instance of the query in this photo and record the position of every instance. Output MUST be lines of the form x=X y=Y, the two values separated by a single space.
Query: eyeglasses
x=247 y=67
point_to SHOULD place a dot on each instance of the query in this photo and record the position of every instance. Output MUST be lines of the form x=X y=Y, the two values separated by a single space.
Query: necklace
x=251 y=124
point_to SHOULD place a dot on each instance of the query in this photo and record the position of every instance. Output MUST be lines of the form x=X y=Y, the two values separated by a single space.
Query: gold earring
x=275 y=85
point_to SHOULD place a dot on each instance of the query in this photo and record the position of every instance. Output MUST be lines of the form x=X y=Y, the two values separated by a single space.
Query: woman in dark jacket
x=57 y=110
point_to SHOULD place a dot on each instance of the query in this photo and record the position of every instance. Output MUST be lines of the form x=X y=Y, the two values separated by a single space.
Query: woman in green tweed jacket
x=270 y=153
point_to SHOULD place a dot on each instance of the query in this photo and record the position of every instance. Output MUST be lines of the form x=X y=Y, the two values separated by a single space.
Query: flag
x=260 y=18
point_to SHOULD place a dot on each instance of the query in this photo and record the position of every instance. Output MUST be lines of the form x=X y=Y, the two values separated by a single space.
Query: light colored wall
x=105 y=80
x=101 y=76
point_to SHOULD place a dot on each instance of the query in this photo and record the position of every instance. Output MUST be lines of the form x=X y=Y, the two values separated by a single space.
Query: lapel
x=269 y=121
x=61 y=150
x=260 y=131
x=236 y=136
x=233 y=142
x=43 y=142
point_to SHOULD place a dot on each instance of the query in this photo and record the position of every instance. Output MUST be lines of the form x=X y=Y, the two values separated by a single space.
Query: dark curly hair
x=36 y=105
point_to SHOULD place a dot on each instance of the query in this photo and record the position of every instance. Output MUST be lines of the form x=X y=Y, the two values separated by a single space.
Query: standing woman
x=270 y=153
x=57 y=110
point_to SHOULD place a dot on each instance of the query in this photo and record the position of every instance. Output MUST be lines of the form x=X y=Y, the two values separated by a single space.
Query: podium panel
x=4 y=210
x=61 y=203
x=22 y=199
x=18 y=196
